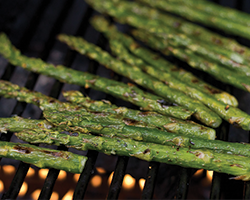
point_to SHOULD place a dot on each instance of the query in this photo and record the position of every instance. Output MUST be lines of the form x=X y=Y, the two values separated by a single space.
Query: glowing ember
x=62 y=175
x=43 y=173
x=68 y=195
x=1 y=186
x=198 y=172
x=100 y=170
x=23 y=189
x=142 y=183
x=31 y=172
x=128 y=182
x=35 y=194
x=96 y=181
x=110 y=178
x=8 y=169
x=76 y=177
x=210 y=175
x=54 y=196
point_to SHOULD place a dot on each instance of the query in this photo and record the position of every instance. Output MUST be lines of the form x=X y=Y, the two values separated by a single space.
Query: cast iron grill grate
x=32 y=26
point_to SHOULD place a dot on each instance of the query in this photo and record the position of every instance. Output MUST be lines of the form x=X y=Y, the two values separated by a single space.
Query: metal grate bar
x=183 y=184
x=148 y=190
x=85 y=175
x=17 y=181
x=118 y=176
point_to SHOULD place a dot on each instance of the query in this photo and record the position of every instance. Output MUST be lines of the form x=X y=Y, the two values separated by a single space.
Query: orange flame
x=62 y=175
x=210 y=175
x=23 y=189
x=1 y=186
x=35 y=194
x=96 y=181
x=43 y=173
x=76 y=177
x=31 y=172
x=128 y=182
x=68 y=195
x=142 y=183
x=100 y=170
x=198 y=172
x=110 y=178
x=54 y=196
x=8 y=169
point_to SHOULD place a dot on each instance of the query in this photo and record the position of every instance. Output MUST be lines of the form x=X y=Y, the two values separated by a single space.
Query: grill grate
x=32 y=26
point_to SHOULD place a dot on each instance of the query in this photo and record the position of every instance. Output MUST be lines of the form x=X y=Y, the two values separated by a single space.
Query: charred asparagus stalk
x=99 y=111
x=130 y=93
x=207 y=159
x=197 y=16
x=72 y=125
x=43 y=157
x=202 y=113
x=154 y=15
x=218 y=71
x=156 y=61
x=170 y=124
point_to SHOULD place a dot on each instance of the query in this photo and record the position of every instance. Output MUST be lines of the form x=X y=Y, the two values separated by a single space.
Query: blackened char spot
x=65 y=132
x=165 y=103
x=74 y=134
x=130 y=122
x=23 y=149
x=146 y=151
x=212 y=90
x=217 y=41
x=195 y=81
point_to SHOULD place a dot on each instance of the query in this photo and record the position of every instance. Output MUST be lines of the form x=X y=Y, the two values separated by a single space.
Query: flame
x=31 y=172
x=142 y=183
x=1 y=186
x=96 y=181
x=62 y=175
x=68 y=195
x=210 y=175
x=100 y=170
x=23 y=189
x=8 y=169
x=110 y=178
x=35 y=194
x=76 y=177
x=43 y=173
x=128 y=182
x=54 y=196
x=198 y=172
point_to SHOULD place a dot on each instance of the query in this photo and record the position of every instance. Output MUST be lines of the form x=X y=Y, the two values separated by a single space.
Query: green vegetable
x=155 y=60
x=202 y=17
x=196 y=158
x=162 y=122
x=43 y=157
x=127 y=92
x=202 y=113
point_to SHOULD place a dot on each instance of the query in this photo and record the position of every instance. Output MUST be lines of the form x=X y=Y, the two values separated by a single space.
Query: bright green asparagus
x=162 y=122
x=196 y=158
x=134 y=73
x=156 y=61
x=43 y=157
x=127 y=92
x=218 y=71
x=197 y=16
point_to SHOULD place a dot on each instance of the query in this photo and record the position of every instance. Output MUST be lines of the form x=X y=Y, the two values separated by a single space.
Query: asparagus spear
x=218 y=10
x=170 y=124
x=196 y=16
x=176 y=23
x=202 y=113
x=228 y=58
x=43 y=157
x=207 y=159
x=155 y=60
x=99 y=112
x=73 y=126
x=127 y=92
x=218 y=71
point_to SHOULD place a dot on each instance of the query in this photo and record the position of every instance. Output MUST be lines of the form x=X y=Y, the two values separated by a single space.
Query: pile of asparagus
x=161 y=131
x=219 y=56
x=87 y=124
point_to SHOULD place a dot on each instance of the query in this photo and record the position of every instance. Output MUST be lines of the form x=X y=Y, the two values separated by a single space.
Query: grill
x=32 y=26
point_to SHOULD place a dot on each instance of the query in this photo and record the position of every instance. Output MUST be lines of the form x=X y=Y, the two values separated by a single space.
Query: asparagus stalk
x=127 y=9
x=73 y=126
x=196 y=16
x=218 y=71
x=99 y=112
x=218 y=10
x=43 y=157
x=202 y=113
x=155 y=60
x=127 y=92
x=198 y=158
x=170 y=124
x=228 y=58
